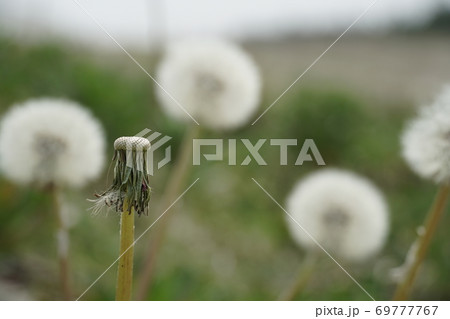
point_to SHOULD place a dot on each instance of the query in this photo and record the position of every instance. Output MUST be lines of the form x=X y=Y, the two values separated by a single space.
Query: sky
x=142 y=24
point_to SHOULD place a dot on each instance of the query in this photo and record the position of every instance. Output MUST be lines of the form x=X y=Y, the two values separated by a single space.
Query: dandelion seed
x=344 y=212
x=51 y=142
x=216 y=82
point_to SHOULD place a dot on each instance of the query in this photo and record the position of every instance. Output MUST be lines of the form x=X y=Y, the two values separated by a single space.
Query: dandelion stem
x=125 y=271
x=62 y=238
x=434 y=215
x=305 y=272
x=174 y=184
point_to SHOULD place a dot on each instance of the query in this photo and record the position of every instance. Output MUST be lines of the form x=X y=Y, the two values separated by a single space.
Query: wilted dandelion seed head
x=51 y=141
x=426 y=140
x=215 y=81
x=131 y=179
x=344 y=212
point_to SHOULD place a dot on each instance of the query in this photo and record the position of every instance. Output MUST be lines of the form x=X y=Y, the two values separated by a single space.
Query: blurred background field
x=227 y=240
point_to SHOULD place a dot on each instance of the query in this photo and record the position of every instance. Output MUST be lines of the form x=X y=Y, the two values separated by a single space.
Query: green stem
x=125 y=271
x=305 y=272
x=434 y=215
x=62 y=238
x=172 y=190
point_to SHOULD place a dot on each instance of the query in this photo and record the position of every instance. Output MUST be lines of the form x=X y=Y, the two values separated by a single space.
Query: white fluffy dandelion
x=426 y=148
x=426 y=140
x=216 y=82
x=51 y=141
x=344 y=212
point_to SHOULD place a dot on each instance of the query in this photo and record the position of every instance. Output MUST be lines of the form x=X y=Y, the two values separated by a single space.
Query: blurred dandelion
x=52 y=143
x=215 y=81
x=345 y=213
x=128 y=194
x=426 y=148
x=426 y=140
x=218 y=84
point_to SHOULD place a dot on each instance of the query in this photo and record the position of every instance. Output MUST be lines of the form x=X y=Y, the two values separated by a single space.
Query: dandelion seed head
x=131 y=180
x=426 y=140
x=216 y=82
x=131 y=143
x=51 y=141
x=344 y=212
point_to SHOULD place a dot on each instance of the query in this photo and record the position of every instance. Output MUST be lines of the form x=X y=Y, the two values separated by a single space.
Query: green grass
x=228 y=240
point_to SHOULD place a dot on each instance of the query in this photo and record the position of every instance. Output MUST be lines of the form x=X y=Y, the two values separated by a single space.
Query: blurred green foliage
x=227 y=240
